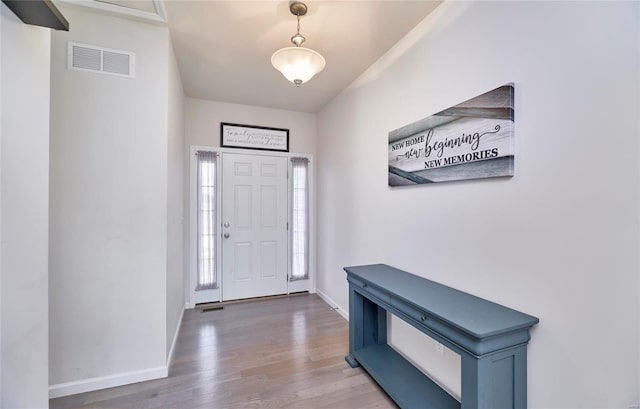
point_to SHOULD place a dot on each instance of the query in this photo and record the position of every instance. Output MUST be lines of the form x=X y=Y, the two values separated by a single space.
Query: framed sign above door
x=254 y=137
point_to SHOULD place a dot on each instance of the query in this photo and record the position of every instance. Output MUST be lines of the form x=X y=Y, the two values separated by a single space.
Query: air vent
x=101 y=60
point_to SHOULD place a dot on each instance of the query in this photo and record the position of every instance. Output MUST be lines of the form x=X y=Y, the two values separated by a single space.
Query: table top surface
x=474 y=315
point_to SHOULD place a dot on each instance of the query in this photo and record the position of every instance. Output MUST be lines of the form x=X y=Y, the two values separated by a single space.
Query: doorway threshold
x=219 y=305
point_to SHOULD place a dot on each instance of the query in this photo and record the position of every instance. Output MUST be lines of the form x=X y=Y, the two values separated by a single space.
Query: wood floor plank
x=270 y=353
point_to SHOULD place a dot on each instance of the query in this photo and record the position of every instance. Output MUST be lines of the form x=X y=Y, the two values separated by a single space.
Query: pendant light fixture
x=298 y=64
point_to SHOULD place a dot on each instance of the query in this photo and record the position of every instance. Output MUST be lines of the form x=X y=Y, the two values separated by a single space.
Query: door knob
x=227 y=224
x=226 y=235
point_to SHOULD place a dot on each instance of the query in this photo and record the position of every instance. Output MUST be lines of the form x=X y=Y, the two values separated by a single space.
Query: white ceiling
x=141 y=5
x=224 y=48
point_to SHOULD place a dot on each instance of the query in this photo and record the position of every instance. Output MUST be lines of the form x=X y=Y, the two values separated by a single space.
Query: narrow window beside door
x=207 y=275
x=300 y=219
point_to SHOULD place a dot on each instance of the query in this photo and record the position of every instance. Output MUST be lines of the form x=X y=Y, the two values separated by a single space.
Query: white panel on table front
x=242 y=211
x=242 y=261
x=268 y=259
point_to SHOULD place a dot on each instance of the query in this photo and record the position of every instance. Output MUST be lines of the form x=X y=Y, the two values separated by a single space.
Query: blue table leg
x=367 y=324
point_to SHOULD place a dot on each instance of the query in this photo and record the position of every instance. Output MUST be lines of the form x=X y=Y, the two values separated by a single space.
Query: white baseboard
x=175 y=338
x=189 y=305
x=103 y=382
x=333 y=304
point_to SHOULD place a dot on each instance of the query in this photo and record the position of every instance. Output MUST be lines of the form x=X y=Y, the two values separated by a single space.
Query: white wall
x=108 y=223
x=175 y=201
x=24 y=198
x=560 y=239
x=202 y=128
x=203 y=118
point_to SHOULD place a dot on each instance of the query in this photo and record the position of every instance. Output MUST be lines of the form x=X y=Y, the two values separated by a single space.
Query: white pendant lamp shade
x=298 y=64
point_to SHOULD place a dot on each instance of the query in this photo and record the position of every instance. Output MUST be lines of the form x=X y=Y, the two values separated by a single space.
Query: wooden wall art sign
x=253 y=137
x=471 y=140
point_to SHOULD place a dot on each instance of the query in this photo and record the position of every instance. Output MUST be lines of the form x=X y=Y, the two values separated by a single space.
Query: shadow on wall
x=445 y=14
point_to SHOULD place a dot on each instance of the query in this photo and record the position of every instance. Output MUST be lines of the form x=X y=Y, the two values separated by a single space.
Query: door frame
x=190 y=277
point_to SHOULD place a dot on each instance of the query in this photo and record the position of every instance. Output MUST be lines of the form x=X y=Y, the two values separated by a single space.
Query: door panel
x=269 y=207
x=254 y=231
x=242 y=208
x=269 y=255
x=242 y=262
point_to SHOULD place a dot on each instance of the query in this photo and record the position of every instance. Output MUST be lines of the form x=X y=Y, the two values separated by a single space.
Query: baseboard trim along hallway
x=103 y=382
x=333 y=304
x=284 y=352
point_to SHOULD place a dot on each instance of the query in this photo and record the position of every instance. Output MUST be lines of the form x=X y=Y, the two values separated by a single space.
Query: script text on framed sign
x=253 y=137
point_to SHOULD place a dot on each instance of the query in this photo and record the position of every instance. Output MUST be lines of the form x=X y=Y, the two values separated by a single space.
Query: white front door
x=254 y=226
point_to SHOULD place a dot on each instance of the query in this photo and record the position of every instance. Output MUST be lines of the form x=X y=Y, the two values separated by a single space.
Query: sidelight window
x=206 y=219
x=300 y=219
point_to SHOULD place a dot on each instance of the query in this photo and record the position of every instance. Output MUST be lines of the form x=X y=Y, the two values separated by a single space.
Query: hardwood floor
x=272 y=353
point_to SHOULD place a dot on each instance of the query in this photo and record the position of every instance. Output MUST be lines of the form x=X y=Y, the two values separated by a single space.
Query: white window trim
x=292 y=286
x=212 y=295
x=310 y=283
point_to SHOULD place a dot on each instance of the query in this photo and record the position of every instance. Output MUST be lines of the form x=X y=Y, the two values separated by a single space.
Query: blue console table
x=490 y=338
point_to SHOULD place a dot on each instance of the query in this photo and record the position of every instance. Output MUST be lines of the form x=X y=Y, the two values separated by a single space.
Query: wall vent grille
x=101 y=60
